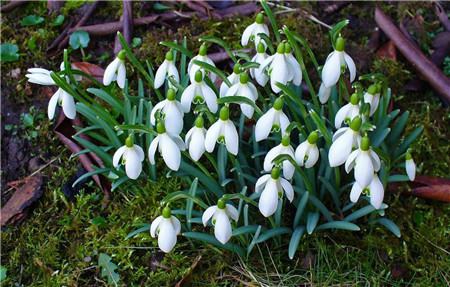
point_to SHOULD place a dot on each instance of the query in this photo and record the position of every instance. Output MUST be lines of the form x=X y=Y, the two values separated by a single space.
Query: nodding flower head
x=335 y=61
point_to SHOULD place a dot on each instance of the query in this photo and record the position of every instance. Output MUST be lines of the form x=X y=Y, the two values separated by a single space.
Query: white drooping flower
x=272 y=187
x=233 y=79
x=333 y=65
x=324 y=93
x=202 y=57
x=375 y=191
x=372 y=97
x=166 y=71
x=273 y=120
x=244 y=88
x=132 y=157
x=195 y=140
x=252 y=31
x=199 y=92
x=168 y=145
x=223 y=131
x=347 y=112
x=344 y=139
x=283 y=67
x=221 y=214
x=365 y=161
x=307 y=152
x=116 y=71
x=410 y=166
x=171 y=111
x=60 y=97
x=258 y=73
x=166 y=227
x=283 y=148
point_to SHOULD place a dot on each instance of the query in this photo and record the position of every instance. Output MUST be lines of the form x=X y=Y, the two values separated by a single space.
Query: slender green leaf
x=207 y=238
x=145 y=228
x=295 y=240
x=390 y=225
x=339 y=225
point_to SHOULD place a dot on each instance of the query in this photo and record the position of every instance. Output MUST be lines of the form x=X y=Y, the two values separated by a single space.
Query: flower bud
x=287 y=48
x=129 y=141
x=167 y=213
x=372 y=90
x=198 y=76
x=280 y=48
x=278 y=104
x=313 y=137
x=340 y=44
x=199 y=122
x=286 y=140
x=275 y=173
x=221 y=204
x=203 y=50
x=259 y=18
x=260 y=48
x=365 y=143
x=224 y=113
x=160 y=128
x=237 y=68
x=356 y=124
x=169 y=56
x=121 y=55
x=354 y=99
x=243 y=78
x=171 y=94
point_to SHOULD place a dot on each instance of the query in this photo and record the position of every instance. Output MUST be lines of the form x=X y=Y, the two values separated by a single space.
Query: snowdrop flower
x=60 y=97
x=344 y=139
x=273 y=120
x=294 y=67
x=283 y=148
x=347 y=112
x=169 y=146
x=258 y=73
x=195 y=139
x=221 y=214
x=372 y=97
x=280 y=69
x=336 y=60
x=233 y=78
x=116 y=71
x=223 y=131
x=307 y=152
x=199 y=93
x=410 y=166
x=203 y=57
x=165 y=71
x=132 y=157
x=375 y=190
x=245 y=89
x=324 y=94
x=365 y=161
x=172 y=113
x=252 y=31
x=272 y=186
x=166 y=227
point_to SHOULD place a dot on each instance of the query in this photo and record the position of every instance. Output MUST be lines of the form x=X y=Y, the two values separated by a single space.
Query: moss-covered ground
x=59 y=242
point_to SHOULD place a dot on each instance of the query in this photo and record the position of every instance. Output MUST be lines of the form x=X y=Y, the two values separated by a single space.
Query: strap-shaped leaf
x=190 y=202
x=390 y=225
x=212 y=69
x=245 y=229
x=408 y=141
x=295 y=240
x=336 y=30
x=300 y=208
x=91 y=173
x=272 y=20
x=221 y=43
x=339 y=225
x=180 y=48
x=102 y=94
x=209 y=239
x=360 y=213
x=311 y=221
x=181 y=194
x=145 y=228
x=398 y=178
x=277 y=231
x=240 y=100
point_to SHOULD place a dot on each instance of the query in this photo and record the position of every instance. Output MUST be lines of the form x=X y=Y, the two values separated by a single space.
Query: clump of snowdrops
x=261 y=158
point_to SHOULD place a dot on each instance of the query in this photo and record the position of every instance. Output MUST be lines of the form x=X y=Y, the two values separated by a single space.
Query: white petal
x=160 y=75
x=340 y=149
x=209 y=212
x=173 y=118
x=187 y=97
x=273 y=153
x=248 y=32
x=288 y=189
x=152 y=149
x=341 y=115
x=279 y=73
x=133 y=165
x=167 y=237
x=261 y=182
x=355 y=193
x=170 y=152
x=375 y=160
x=210 y=97
x=52 y=103
x=40 y=78
x=68 y=105
x=121 y=75
x=117 y=155
x=222 y=228
x=331 y=70
x=264 y=125
x=313 y=156
x=376 y=192
x=173 y=72
x=266 y=62
x=140 y=152
x=374 y=105
x=339 y=133
x=351 y=66
x=284 y=122
x=212 y=135
x=288 y=169
x=110 y=72
x=158 y=107
x=410 y=169
x=231 y=137
x=363 y=169
x=300 y=153
x=232 y=212
x=176 y=224
x=154 y=226
x=268 y=200
x=324 y=93
x=197 y=144
x=295 y=69
x=350 y=162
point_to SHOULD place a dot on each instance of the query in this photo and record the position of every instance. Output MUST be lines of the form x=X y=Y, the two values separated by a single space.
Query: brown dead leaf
x=90 y=69
x=387 y=51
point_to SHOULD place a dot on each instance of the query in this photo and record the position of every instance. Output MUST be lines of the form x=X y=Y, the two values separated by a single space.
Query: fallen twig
x=422 y=64
x=11 y=5
x=127 y=25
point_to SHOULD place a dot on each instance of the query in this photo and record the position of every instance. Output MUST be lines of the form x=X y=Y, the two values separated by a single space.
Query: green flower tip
x=243 y=78
x=121 y=55
x=198 y=76
x=199 y=122
x=169 y=56
x=278 y=104
x=286 y=140
x=356 y=124
x=237 y=68
x=167 y=213
x=275 y=173
x=281 y=48
x=221 y=204
x=224 y=113
x=408 y=156
x=373 y=89
x=340 y=44
x=259 y=18
x=160 y=128
x=129 y=141
x=313 y=137
x=287 y=48
x=354 y=99
x=203 y=50
x=171 y=94
x=365 y=143
x=260 y=48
